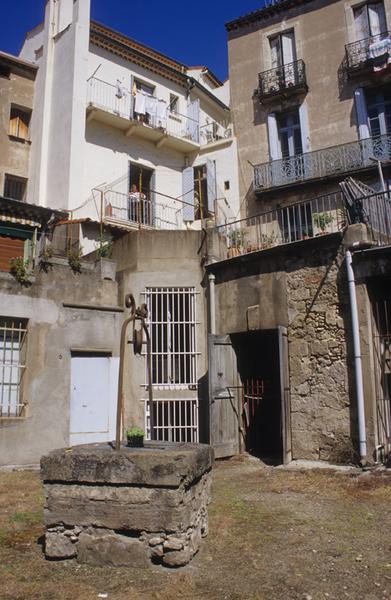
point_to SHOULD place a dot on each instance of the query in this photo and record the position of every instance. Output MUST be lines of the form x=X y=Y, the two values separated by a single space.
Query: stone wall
x=127 y=508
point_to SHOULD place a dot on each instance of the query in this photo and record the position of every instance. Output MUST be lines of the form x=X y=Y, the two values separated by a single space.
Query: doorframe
x=285 y=392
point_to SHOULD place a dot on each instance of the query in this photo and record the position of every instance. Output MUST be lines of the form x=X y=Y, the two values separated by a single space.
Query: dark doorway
x=258 y=359
x=140 y=198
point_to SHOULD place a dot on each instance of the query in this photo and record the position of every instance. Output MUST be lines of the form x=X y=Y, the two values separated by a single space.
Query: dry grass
x=273 y=535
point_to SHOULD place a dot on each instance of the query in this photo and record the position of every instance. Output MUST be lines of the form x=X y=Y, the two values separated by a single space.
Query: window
x=19 y=122
x=144 y=87
x=13 y=334
x=5 y=72
x=172 y=318
x=15 y=187
x=201 y=192
x=283 y=49
x=379 y=112
x=174 y=104
x=226 y=185
x=370 y=20
x=290 y=134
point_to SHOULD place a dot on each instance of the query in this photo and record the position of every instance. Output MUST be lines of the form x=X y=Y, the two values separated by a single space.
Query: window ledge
x=5 y=420
x=16 y=138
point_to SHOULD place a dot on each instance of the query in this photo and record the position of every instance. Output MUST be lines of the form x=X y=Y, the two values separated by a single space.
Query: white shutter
x=274 y=141
x=361 y=22
x=188 y=193
x=377 y=18
x=304 y=128
x=288 y=47
x=361 y=112
x=211 y=184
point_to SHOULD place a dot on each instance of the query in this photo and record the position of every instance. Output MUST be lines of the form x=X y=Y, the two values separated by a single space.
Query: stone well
x=127 y=508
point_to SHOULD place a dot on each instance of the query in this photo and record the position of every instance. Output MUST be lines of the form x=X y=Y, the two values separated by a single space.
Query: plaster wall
x=14 y=154
x=53 y=331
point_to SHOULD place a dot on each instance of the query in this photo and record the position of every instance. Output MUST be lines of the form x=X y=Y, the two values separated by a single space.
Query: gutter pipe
x=357 y=359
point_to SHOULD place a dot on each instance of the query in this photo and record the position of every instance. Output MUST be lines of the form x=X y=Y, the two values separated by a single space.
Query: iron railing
x=213 y=132
x=282 y=79
x=103 y=95
x=375 y=212
x=292 y=223
x=327 y=162
x=139 y=210
x=358 y=55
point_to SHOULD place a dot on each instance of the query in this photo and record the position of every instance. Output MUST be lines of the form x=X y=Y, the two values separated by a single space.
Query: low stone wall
x=127 y=508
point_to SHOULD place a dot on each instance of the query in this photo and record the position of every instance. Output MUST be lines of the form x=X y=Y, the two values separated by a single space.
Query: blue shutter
x=304 y=129
x=211 y=184
x=361 y=112
x=274 y=142
x=188 y=193
x=193 y=121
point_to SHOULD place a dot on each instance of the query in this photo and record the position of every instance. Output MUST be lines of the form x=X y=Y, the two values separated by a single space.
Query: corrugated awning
x=19 y=221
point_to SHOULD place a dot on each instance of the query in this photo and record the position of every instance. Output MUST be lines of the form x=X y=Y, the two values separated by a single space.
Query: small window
x=174 y=104
x=15 y=187
x=226 y=185
x=144 y=87
x=5 y=72
x=13 y=337
x=19 y=122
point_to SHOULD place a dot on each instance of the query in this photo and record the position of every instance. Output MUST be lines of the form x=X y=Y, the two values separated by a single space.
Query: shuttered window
x=19 y=123
x=14 y=187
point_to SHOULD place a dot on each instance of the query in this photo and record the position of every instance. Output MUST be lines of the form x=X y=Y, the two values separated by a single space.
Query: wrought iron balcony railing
x=359 y=55
x=328 y=162
x=285 y=79
x=139 y=210
x=375 y=212
x=292 y=223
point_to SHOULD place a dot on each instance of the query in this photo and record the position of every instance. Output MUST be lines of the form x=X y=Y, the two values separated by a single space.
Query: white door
x=94 y=381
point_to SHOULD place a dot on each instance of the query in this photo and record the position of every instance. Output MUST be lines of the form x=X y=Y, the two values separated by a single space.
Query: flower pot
x=136 y=441
x=108 y=268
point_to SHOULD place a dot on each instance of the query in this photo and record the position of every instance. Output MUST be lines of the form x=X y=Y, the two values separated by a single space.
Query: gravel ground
x=274 y=535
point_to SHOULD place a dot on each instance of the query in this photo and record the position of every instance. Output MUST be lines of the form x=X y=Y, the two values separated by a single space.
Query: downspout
x=357 y=359
x=212 y=304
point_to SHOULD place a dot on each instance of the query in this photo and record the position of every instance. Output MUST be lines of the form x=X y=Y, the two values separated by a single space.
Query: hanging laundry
x=121 y=91
x=380 y=53
x=161 y=113
x=151 y=105
x=140 y=101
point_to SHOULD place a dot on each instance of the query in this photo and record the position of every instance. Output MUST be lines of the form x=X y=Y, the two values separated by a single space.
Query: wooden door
x=224 y=410
x=10 y=248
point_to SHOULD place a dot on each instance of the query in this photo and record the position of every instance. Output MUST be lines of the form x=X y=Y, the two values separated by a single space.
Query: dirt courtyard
x=274 y=535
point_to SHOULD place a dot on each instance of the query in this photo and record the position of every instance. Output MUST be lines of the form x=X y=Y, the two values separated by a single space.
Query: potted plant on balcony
x=74 y=259
x=19 y=268
x=108 y=267
x=135 y=437
x=322 y=220
x=236 y=238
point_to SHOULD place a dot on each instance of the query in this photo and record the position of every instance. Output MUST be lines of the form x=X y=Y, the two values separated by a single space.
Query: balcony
x=283 y=81
x=215 y=133
x=173 y=130
x=293 y=223
x=321 y=164
x=360 y=56
x=137 y=211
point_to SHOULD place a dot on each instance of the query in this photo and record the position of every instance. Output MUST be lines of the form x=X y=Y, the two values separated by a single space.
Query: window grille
x=14 y=187
x=175 y=420
x=13 y=333
x=172 y=321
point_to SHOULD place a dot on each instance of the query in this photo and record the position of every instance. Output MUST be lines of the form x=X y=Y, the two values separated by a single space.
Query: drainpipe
x=357 y=359
x=212 y=304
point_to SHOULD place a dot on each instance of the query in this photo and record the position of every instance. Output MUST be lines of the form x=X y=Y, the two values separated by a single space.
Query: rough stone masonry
x=129 y=508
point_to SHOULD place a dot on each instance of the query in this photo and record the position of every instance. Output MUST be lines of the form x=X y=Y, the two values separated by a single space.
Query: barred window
x=172 y=320
x=13 y=334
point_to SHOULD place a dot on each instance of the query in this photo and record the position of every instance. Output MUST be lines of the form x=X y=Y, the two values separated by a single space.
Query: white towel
x=139 y=105
x=161 y=113
x=121 y=90
x=151 y=105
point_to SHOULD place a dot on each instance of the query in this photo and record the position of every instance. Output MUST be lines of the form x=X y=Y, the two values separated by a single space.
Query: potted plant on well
x=135 y=437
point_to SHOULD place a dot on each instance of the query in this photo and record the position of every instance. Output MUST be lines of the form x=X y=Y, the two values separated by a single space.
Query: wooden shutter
x=193 y=121
x=211 y=184
x=304 y=129
x=288 y=47
x=274 y=142
x=10 y=248
x=361 y=112
x=377 y=18
x=361 y=24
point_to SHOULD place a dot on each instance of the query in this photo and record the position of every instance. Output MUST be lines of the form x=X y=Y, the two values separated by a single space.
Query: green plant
x=74 y=259
x=322 y=219
x=135 y=437
x=19 y=268
x=134 y=432
x=236 y=238
x=105 y=246
x=45 y=257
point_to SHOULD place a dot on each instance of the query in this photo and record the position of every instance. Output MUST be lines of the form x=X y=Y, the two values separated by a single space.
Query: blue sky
x=191 y=32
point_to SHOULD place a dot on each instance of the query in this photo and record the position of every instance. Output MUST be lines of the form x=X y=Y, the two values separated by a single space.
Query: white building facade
x=124 y=133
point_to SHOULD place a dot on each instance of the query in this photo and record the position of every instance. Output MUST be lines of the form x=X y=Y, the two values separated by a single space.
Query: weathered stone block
x=100 y=548
x=58 y=545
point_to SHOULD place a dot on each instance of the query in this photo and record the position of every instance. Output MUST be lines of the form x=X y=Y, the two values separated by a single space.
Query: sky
x=191 y=32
